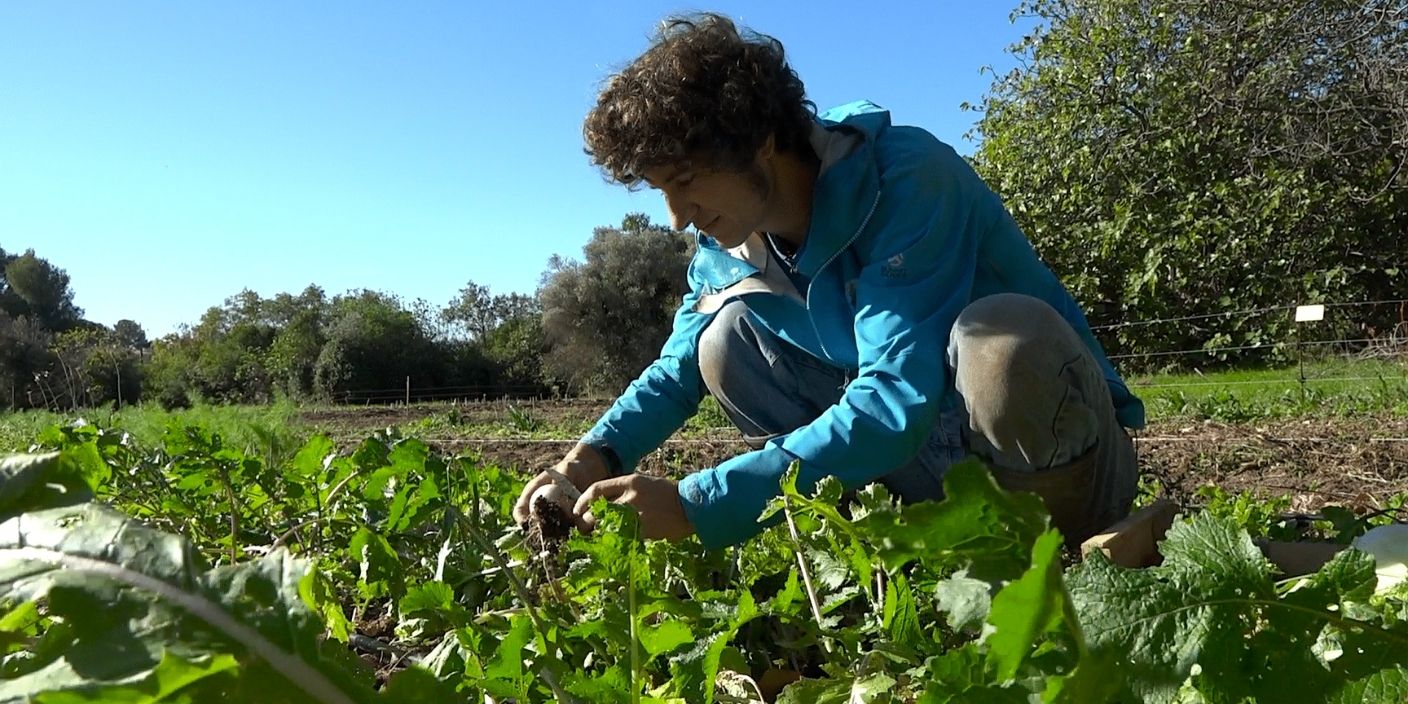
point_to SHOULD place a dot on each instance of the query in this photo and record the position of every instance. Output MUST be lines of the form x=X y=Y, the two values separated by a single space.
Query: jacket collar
x=846 y=192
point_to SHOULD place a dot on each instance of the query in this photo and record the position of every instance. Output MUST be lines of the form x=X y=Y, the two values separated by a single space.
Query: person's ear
x=766 y=150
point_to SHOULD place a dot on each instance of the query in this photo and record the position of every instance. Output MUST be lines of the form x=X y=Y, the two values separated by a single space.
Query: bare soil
x=1360 y=463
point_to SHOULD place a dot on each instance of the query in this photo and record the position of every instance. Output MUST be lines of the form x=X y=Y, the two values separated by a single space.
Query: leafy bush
x=1179 y=157
x=606 y=318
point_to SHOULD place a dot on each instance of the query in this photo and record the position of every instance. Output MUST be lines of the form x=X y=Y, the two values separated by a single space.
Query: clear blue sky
x=169 y=154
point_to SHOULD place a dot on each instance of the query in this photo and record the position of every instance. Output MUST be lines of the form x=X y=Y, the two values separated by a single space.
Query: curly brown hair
x=704 y=90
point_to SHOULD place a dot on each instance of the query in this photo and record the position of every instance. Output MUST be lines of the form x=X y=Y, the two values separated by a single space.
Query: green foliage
x=515 y=348
x=1336 y=387
x=606 y=317
x=357 y=347
x=476 y=312
x=32 y=287
x=522 y=420
x=374 y=343
x=49 y=356
x=25 y=362
x=961 y=600
x=1172 y=157
x=134 y=612
x=710 y=416
x=98 y=368
x=1211 y=616
x=1261 y=518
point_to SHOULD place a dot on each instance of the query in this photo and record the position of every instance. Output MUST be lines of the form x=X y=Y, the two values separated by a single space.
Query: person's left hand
x=656 y=499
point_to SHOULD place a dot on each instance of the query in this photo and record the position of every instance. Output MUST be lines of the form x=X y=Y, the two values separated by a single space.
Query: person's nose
x=681 y=211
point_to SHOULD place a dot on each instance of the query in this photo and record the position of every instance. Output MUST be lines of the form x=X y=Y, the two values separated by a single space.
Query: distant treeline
x=606 y=318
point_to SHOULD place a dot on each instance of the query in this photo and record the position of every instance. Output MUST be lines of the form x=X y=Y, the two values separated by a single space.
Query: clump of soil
x=548 y=527
x=549 y=524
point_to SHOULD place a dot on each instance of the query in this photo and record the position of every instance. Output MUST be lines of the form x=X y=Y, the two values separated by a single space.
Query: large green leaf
x=29 y=482
x=134 y=598
x=1028 y=608
x=965 y=600
x=872 y=689
x=978 y=525
x=1212 y=613
x=173 y=680
x=901 y=617
x=696 y=669
x=1384 y=687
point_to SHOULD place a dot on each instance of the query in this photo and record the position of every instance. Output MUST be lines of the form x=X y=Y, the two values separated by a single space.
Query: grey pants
x=1036 y=407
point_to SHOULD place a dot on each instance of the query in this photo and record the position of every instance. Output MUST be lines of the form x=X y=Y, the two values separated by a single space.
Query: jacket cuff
x=599 y=439
x=724 y=503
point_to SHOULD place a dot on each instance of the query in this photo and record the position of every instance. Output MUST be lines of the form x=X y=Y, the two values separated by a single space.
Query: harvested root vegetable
x=551 y=506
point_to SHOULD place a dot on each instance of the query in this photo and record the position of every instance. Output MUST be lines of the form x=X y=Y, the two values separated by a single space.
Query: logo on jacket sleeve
x=894 y=268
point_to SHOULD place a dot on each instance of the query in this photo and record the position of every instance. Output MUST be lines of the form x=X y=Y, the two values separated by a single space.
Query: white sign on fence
x=1310 y=314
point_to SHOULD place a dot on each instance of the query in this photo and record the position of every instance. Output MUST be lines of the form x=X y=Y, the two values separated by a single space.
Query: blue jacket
x=904 y=235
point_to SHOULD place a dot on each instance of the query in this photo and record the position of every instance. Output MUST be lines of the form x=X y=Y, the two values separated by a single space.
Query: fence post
x=408 y=391
x=1305 y=314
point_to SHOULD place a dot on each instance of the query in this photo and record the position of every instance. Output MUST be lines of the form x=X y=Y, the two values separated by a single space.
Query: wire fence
x=475 y=392
x=1391 y=344
x=1313 y=362
x=1248 y=312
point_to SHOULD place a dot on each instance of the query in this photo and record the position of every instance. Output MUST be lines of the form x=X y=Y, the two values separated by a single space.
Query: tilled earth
x=1360 y=463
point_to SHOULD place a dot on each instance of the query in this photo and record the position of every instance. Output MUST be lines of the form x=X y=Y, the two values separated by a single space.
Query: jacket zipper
x=865 y=221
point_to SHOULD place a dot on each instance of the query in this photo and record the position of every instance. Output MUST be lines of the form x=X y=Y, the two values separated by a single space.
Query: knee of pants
x=1005 y=350
x=994 y=335
x=723 y=337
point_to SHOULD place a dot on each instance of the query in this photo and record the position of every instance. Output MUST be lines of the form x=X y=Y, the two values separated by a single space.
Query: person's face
x=726 y=205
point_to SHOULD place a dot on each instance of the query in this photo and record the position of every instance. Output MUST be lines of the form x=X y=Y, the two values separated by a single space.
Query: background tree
x=605 y=318
x=470 y=313
x=301 y=322
x=94 y=368
x=221 y=359
x=1176 y=157
x=476 y=311
x=497 y=339
x=374 y=343
x=10 y=302
x=25 y=361
x=50 y=357
x=129 y=333
x=516 y=345
x=40 y=290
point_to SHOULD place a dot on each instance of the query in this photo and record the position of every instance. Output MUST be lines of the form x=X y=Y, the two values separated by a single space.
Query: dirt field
x=1359 y=463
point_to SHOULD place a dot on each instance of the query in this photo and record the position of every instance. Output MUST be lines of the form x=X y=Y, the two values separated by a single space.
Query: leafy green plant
x=408 y=559
x=523 y=420
x=1199 y=158
x=132 y=612
x=1260 y=518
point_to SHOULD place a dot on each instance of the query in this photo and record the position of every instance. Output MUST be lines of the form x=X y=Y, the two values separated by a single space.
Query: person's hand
x=583 y=466
x=656 y=499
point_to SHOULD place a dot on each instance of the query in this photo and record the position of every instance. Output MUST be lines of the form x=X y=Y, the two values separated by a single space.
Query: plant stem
x=282 y=539
x=806 y=573
x=631 y=607
x=234 y=512
x=514 y=582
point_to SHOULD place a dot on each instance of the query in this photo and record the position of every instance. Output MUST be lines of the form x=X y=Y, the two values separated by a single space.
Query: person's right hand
x=583 y=466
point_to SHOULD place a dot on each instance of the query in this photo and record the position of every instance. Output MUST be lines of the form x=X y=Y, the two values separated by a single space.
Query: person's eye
x=685 y=181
